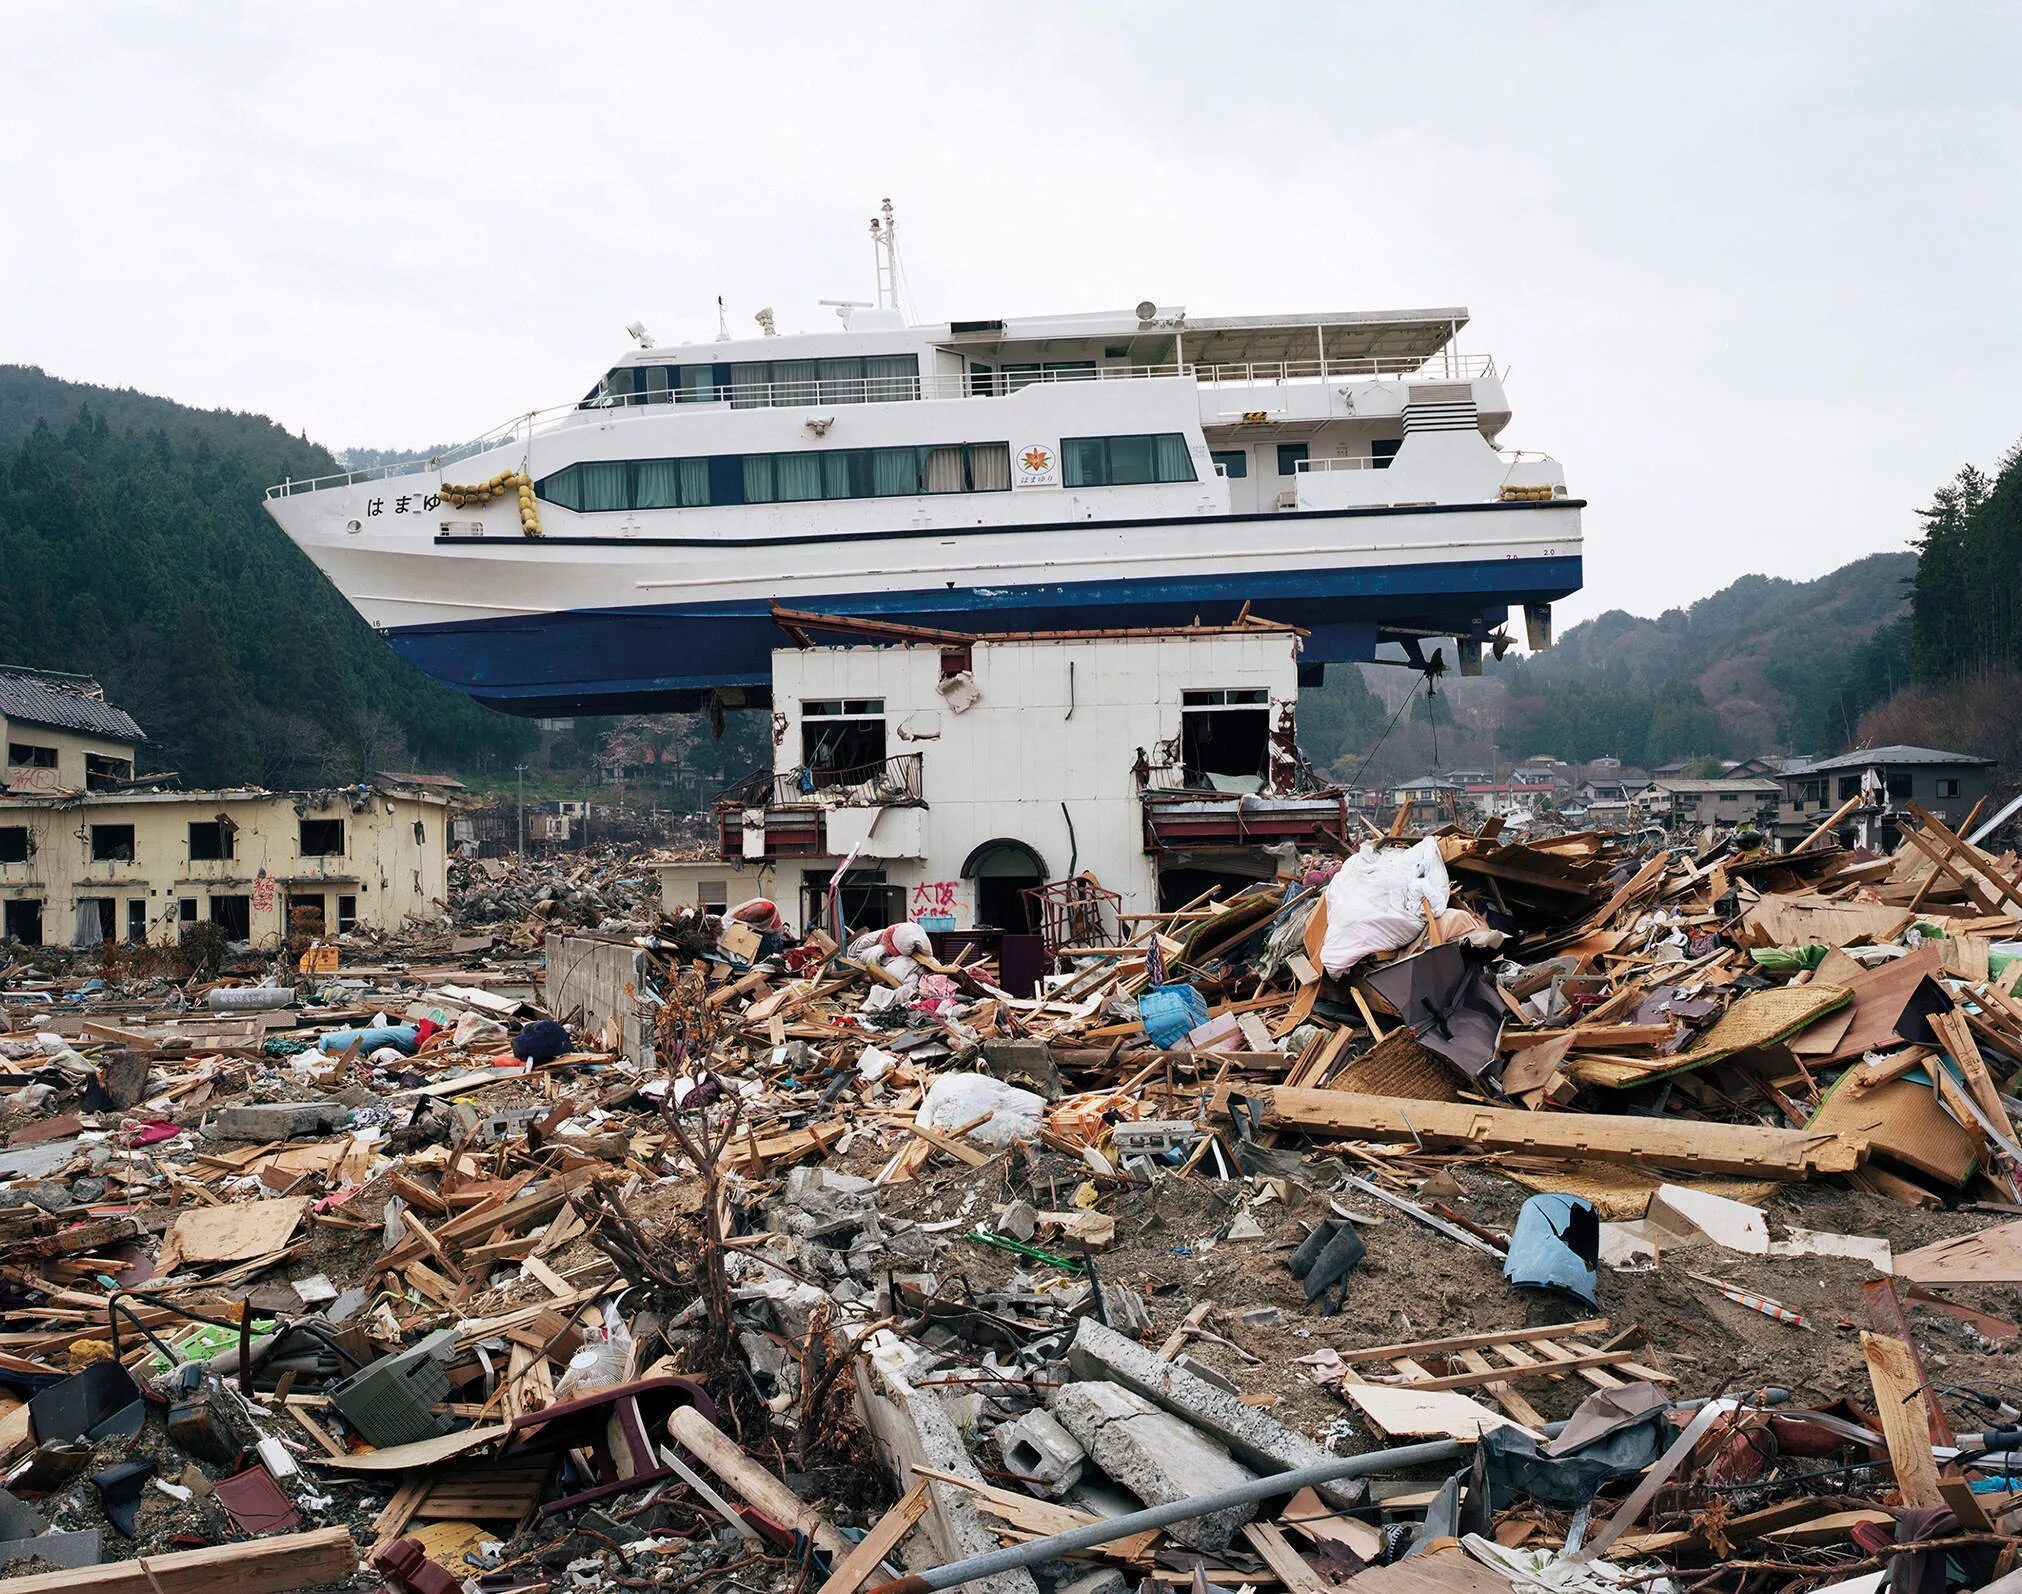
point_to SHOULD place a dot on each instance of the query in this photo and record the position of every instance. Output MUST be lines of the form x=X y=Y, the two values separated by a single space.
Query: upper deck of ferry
x=1282 y=400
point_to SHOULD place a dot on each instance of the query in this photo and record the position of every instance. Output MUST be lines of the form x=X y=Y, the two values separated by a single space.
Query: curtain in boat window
x=694 y=482
x=892 y=376
x=1130 y=461
x=835 y=474
x=747 y=384
x=564 y=487
x=1017 y=376
x=758 y=479
x=895 y=472
x=989 y=467
x=1084 y=461
x=697 y=383
x=795 y=381
x=603 y=484
x=842 y=381
x=656 y=484
x=1170 y=459
x=944 y=470
x=796 y=476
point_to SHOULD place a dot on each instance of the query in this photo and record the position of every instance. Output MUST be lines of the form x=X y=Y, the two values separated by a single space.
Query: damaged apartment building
x=90 y=854
x=946 y=779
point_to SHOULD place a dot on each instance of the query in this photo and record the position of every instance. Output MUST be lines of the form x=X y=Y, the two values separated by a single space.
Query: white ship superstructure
x=1144 y=467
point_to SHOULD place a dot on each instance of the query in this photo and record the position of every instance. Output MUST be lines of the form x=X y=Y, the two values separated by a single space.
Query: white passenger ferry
x=1144 y=467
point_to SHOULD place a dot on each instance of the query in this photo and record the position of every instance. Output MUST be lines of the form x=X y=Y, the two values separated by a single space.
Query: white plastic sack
x=957 y=1099
x=1373 y=902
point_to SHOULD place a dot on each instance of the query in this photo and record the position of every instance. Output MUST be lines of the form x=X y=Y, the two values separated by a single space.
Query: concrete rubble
x=1658 y=1209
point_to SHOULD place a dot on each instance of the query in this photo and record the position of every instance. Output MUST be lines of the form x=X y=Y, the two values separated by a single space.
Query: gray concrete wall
x=603 y=978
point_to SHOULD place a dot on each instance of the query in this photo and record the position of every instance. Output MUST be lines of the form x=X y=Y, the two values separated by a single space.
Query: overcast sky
x=1753 y=269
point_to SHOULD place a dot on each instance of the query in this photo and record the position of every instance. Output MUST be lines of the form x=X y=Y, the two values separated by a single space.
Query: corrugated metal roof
x=64 y=702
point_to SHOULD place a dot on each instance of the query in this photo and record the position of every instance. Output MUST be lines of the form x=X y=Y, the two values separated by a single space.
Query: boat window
x=892 y=376
x=694 y=384
x=1125 y=461
x=1017 y=376
x=1383 y=450
x=1235 y=462
x=593 y=486
x=1290 y=457
x=796 y=381
x=656 y=383
x=842 y=382
x=1070 y=370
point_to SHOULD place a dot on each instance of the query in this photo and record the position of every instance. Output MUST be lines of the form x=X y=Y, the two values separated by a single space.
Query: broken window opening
x=842 y=740
x=186 y=910
x=102 y=770
x=21 y=920
x=136 y=919
x=1225 y=737
x=234 y=915
x=322 y=838
x=14 y=844
x=864 y=900
x=347 y=914
x=97 y=921
x=25 y=755
x=211 y=840
x=310 y=906
x=112 y=844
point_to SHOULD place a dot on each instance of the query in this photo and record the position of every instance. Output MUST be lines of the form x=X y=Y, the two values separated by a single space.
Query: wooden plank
x=1892 y=1371
x=1435 y=1347
x=1502 y=1392
x=1176 y=1341
x=1711 y=1147
x=1566 y=1363
x=257 y=1566
x=875 y=1545
x=1287 y=1565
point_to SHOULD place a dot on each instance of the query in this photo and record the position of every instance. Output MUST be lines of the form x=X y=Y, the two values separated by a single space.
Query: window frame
x=1075 y=457
x=99 y=850
x=1298 y=453
x=225 y=834
x=1235 y=463
x=301 y=837
x=734 y=480
x=30 y=755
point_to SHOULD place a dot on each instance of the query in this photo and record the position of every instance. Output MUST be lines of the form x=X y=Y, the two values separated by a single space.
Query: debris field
x=1460 y=1214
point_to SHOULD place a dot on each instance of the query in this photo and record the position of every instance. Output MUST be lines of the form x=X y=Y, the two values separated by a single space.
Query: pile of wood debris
x=1465 y=1213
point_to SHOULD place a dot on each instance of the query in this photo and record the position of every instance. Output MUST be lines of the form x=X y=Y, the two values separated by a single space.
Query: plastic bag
x=957 y=1099
x=1373 y=902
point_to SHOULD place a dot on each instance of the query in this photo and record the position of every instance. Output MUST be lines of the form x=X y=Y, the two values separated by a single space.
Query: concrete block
x=1018 y=1221
x=278 y=1120
x=912 y=1429
x=1156 y=1456
x=1036 y=1446
x=1253 y=1438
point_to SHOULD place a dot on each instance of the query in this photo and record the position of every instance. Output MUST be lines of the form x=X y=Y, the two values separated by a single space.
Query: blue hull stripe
x=670 y=656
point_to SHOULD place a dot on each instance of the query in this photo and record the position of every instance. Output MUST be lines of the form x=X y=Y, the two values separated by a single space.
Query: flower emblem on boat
x=1037 y=460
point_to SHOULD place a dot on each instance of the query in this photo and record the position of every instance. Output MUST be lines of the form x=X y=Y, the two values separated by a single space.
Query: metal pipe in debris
x=956 y=1573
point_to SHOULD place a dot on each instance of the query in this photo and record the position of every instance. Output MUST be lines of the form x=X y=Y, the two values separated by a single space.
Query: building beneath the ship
x=1028 y=783
x=90 y=854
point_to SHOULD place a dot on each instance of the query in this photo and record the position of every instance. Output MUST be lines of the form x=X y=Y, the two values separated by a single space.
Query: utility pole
x=523 y=808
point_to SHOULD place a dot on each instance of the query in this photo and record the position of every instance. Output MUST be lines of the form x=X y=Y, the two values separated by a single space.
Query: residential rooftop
x=63 y=702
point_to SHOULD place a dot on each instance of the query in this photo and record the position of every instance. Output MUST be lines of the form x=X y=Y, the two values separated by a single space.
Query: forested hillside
x=135 y=549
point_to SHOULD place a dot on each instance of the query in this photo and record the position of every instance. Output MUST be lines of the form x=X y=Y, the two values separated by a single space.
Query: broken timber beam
x=257 y=1566
x=1441 y=1125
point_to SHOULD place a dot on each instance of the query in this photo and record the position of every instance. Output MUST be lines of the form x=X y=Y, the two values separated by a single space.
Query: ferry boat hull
x=510 y=636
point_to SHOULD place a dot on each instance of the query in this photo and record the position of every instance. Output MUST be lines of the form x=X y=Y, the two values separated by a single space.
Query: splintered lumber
x=1445 y=1125
x=258 y=1566
x=1893 y=1372
x=717 y=1451
x=875 y=1545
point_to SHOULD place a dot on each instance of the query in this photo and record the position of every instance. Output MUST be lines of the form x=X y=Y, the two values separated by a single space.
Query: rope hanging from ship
x=501 y=484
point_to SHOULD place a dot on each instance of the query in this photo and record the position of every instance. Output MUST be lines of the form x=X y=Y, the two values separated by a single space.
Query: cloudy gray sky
x=1752 y=268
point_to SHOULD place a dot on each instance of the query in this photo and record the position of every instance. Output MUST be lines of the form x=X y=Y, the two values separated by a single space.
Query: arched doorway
x=1004 y=870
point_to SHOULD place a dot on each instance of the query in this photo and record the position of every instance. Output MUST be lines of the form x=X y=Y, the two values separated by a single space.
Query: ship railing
x=521 y=429
x=1509 y=456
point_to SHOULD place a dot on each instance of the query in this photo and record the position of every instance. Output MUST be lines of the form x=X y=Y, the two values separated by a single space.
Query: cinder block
x=1036 y=1446
x=1154 y=1455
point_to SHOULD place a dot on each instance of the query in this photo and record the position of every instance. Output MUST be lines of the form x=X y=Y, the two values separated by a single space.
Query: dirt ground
x=1415 y=1283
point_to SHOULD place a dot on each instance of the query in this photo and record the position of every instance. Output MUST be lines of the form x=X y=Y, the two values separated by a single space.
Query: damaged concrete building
x=89 y=854
x=945 y=780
